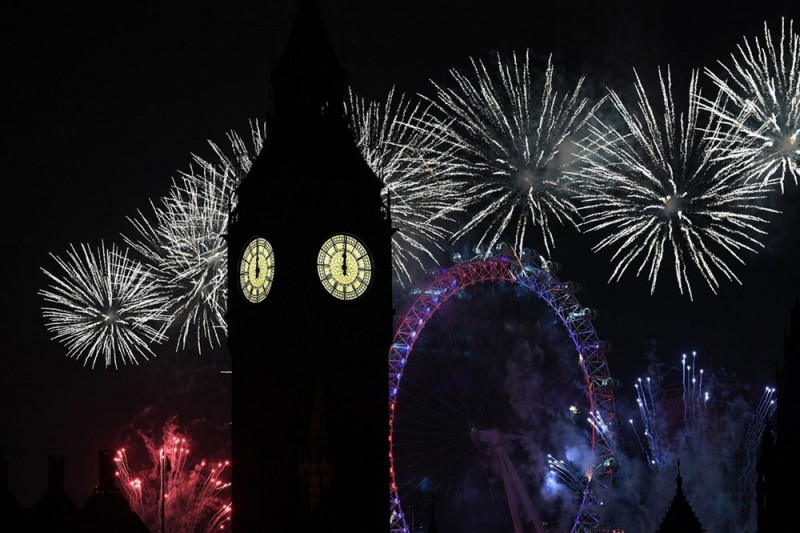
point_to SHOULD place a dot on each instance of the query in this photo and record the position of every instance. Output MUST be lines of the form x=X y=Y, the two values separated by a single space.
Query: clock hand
x=344 y=257
x=258 y=256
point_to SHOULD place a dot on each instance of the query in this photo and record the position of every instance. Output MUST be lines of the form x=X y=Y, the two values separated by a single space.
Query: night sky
x=108 y=103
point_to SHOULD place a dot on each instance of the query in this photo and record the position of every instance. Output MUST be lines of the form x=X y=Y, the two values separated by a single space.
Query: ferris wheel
x=462 y=431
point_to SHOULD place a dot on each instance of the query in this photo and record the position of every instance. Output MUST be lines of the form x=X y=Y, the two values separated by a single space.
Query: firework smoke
x=508 y=377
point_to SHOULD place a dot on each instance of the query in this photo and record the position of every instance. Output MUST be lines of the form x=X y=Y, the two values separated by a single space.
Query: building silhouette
x=781 y=439
x=7 y=500
x=107 y=506
x=680 y=517
x=106 y=510
x=309 y=312
x=765 y=483
x=433 y=527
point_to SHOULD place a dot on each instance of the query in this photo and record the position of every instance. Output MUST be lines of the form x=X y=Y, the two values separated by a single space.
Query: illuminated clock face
x=256 y=270
x=344 y=266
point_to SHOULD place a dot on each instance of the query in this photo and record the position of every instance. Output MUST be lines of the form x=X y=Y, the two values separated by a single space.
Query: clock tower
x=309 y=310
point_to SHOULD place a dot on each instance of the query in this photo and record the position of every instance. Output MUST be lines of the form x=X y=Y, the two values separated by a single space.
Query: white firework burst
x=414 y=169
x=185 y=244
x=654 y=185
x=241 y=159
x=513 y=143
x=104 y=305
x=760 y=108
x=184 y=241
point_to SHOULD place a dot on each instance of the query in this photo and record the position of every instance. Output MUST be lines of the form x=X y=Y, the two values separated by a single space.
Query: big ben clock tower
x=309 y=311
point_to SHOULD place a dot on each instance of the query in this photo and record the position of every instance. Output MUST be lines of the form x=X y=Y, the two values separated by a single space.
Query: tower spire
x=680 y=517
x=309 y=75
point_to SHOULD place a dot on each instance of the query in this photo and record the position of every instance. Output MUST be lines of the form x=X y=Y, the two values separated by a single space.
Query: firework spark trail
x=217 y=521
x=688 y=381
x=654 y=185
x=207 y=490
x=755 y=432
x=184 y=241
x=645 y=451
x=414 y=168
x=759 y=108
x=104 y=304
x=596 y=420
x=684 y=379
x=767 y=405
x=764 y=411
x=512 y=148
x=646 y=403
x=566 y=474
x=694 y=399
x=131 y=487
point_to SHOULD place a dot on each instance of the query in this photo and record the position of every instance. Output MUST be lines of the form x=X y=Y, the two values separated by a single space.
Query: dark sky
x=107 y=103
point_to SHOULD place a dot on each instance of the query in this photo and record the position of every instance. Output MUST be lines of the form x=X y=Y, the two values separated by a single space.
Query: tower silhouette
x=680 y=517
x=781 y=439
x=309 y=310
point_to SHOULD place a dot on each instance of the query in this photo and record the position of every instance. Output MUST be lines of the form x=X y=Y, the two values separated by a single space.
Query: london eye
x=501 y=412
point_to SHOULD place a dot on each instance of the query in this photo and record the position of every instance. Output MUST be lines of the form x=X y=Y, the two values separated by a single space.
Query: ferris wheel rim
x=538 y=277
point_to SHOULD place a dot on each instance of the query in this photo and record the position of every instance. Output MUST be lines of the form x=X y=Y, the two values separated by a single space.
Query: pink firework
x=172 y=492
